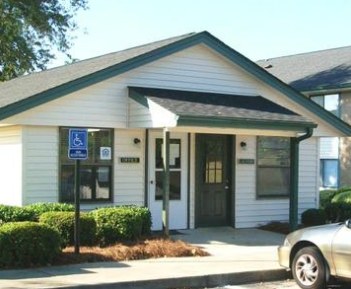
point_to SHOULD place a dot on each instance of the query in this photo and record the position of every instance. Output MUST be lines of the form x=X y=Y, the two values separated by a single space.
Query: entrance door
x=178 y=209
x=213 y=200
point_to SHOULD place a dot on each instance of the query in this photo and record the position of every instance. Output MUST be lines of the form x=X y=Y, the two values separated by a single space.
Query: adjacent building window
x=329 y=173
x=174 y=168
x=95 y=172
x=273 y=166
x=330 y=102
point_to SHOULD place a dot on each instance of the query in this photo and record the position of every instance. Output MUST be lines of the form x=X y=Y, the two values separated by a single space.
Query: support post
x=294 y=178
x=166 y=181
x=77 y=207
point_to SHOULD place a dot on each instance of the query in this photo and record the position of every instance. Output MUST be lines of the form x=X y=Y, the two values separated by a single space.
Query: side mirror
x=348 y=223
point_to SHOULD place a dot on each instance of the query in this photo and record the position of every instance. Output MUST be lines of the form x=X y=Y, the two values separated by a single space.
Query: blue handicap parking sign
x=78 y=144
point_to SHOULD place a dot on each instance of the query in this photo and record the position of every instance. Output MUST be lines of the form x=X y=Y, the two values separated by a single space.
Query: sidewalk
x=237 y=256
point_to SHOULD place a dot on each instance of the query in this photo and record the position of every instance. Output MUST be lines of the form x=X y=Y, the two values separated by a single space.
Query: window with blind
x=95 y=172
x=273 y=166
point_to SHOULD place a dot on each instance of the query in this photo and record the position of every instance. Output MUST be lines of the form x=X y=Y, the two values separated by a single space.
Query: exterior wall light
x=137 y=140
x=243 y=145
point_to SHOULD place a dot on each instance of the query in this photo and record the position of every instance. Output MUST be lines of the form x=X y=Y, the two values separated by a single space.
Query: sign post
x=77 y=150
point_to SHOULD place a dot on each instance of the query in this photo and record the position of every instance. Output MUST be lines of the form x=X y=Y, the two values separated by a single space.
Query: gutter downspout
x=294 y=178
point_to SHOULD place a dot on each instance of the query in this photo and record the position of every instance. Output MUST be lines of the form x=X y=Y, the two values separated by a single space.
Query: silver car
x=315 y=254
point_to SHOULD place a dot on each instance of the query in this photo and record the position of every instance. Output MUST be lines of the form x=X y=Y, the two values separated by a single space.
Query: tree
x=31 y=29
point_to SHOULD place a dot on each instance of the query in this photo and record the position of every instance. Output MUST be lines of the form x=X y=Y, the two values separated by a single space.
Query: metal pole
x=166 y=182
x=77 y=207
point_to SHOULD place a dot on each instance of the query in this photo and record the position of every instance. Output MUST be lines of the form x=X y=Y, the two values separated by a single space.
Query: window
x=95 y=172
x=273 y=166
x=214 y=166
x=329 y=101
x=174 y=169
x=329 y=173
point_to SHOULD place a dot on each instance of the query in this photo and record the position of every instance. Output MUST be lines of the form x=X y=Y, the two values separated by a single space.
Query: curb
x=203 y=281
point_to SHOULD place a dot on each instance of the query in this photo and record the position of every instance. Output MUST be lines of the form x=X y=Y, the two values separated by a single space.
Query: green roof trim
x=221 y=122
x=139 y=98
x=163 y=51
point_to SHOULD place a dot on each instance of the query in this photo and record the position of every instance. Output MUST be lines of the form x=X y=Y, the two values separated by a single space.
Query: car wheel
x=308 y=269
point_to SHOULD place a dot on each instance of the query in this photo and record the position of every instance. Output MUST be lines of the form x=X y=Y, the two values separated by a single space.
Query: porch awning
x=202 y=109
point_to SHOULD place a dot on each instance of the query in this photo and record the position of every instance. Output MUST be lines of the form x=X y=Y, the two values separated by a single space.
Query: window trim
x=112 y=166
x=271 y=196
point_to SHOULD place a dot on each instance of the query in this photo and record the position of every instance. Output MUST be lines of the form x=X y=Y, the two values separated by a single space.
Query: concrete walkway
x=237 y=256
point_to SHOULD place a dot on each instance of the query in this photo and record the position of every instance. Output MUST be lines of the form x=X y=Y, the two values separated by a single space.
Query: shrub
x=338 y=212
x=28 y=243
x=63 y=222
x=325 y=197
x=344 y=197
x=115 y=224
x=15 y=214
x=40 y=208
x=313 y=217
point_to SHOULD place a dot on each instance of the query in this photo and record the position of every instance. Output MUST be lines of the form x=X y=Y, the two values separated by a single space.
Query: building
x=241 y=145
x=325 y=77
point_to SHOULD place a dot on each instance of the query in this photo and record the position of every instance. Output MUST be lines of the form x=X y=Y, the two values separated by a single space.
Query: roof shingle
x=319 y=70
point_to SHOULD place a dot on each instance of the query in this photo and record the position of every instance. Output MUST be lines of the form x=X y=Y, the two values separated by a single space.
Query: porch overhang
x=213 y=110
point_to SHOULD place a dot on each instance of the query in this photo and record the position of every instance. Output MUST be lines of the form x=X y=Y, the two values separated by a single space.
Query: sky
x=259 y=29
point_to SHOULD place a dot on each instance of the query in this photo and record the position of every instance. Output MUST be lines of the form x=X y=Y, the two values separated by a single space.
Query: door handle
x=226 y=187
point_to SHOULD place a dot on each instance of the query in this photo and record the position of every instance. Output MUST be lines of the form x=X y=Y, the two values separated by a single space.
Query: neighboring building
x=325 y=77
x=235 y=134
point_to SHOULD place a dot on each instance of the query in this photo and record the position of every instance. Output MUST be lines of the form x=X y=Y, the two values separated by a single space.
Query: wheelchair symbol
x=77 y=141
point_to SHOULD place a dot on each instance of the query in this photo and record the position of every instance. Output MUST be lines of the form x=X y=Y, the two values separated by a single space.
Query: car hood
x=318 y=235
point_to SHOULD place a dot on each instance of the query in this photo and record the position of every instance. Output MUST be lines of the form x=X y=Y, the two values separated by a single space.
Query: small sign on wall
x=129 y=160
x=246 y=161
x=105 y=153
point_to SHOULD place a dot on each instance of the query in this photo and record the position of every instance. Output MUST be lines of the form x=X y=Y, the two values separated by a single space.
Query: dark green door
x=213 y=159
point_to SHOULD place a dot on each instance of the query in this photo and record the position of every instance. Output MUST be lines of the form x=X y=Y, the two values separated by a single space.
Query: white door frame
x=178 y=209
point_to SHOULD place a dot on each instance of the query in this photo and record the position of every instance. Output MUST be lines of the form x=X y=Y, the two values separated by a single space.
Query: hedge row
x=31 y=212
x=102 y=226
x=28 y=243
x=25 y=241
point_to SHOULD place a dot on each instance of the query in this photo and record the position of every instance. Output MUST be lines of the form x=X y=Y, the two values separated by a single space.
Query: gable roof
x=313 y=71
x=29 y=91
x=222 y=110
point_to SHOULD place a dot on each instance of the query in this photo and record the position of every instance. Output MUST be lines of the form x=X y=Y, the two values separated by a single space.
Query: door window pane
x=174 y=154
x=213 y=161
x=174 y=181
x=174 y=168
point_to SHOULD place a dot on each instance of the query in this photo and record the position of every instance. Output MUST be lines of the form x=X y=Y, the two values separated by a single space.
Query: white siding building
x=232 y=128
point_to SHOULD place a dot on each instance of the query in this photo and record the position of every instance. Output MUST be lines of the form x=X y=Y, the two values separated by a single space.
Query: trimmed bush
x=325 y=197
x=28 y=243
x=41 y=208
x=63 y=222
x=344 y=197
x=115 y=224
x=313 y=217
x=338 y=212
x=15 y=214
